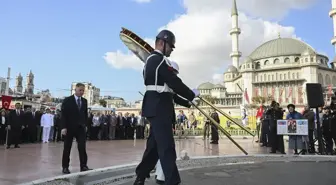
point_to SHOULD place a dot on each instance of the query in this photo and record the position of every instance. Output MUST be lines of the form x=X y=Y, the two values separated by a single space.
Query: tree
x=258 y=100
x=102 y=103
x=210 y=99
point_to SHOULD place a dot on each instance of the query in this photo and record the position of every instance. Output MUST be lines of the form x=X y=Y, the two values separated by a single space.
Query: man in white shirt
x=47 y=121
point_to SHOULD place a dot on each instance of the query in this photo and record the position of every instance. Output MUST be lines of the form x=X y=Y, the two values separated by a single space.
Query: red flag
x=256 y=91
x=329 y=90
x=6 y=101
x=290 y=92
x=246 y=96
x=260 y=112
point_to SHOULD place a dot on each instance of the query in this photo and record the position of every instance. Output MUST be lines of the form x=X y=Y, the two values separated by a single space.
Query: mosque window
x=293 y=76
x=280 y=76
x=257 y=65
x=276 y=61
x=276 y=76
x=261 y=79
x=269 y=78
x=306 y=59
x=266 y=62
x=321 y=61
x=297 y=75
x=297 y=59
x=248 y=66
x=265 y=77
x=285 y=76
x=311 y=59
x=252 y=66
x=272 y=77
x=286 y=60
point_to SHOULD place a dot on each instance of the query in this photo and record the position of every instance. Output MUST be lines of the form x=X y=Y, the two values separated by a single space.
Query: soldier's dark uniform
x=158 y=108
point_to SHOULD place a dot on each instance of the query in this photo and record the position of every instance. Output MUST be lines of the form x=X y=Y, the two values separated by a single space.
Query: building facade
x=114 y=102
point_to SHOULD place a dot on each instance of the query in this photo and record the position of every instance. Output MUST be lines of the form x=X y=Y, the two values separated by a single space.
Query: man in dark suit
x=73 y=123
x=30 y=126
x=158 y=107
x=15 y=126
x=132 y=125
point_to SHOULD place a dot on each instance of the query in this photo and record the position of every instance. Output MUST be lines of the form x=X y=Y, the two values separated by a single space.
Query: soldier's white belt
x=158 y=88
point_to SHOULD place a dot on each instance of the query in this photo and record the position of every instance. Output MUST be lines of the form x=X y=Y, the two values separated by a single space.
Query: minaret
x=235 y=31
x=332 y=14
x=30 y=83
x=7 y=84
x=18 y=85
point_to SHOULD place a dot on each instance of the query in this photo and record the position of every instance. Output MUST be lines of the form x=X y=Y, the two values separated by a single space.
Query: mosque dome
x=281 y=47
x=308 y=52
x=231 y=69
x=206 y=86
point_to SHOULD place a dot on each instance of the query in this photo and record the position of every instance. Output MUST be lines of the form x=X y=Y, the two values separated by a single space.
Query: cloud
x=203 y=42
x=142 y=1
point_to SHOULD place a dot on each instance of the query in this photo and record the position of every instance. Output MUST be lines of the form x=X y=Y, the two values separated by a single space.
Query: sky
x=69 y=41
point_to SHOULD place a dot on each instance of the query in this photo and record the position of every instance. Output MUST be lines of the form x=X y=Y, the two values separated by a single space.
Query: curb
x=188 y=164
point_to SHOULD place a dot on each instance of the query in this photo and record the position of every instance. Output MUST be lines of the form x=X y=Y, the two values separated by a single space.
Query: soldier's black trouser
x=265 y=133
x=160 y=145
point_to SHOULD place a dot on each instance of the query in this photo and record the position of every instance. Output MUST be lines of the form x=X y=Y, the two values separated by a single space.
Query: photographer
x=275 y=113
x=326 y=129
x=310 y=116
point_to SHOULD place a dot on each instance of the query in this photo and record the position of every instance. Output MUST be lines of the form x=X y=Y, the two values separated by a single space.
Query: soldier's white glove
x=195 y=101
x=196 y=92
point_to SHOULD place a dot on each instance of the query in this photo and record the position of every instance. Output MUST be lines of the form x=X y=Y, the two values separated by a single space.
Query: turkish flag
x=6 y=101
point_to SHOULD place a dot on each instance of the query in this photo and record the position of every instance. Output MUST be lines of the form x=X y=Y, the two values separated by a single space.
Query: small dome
x=218 y=86
x=206 y=86
x=248 y=60
x=231 y=69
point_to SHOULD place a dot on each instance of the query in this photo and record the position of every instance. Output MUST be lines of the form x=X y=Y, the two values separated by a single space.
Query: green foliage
x=102 y=103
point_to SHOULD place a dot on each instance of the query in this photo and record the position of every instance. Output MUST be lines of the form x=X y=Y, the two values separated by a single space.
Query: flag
x=329 y=90
x=260 y=112
x=256 y=90
x=6 y=101
x=246 y=96
x=300 y=99
x=290 y=92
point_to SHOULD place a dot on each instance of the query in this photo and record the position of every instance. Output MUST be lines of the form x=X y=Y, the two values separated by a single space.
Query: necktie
x=78 y=103
x=17 y=113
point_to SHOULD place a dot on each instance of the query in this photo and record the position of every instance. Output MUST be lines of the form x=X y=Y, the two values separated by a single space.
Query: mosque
x=277 y=69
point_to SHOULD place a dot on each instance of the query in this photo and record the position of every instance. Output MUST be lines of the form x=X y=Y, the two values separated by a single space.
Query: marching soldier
x=160 y=178
x=158 y=108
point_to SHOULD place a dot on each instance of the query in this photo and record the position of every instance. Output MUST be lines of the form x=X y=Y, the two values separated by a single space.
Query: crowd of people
x=267 y=128
x=44 y=125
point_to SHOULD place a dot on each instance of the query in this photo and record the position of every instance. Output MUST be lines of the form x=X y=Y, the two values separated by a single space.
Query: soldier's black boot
x=139 y=181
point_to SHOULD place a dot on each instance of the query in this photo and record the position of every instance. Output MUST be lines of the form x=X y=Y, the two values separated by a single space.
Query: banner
x=296 y=127
x=247 y=98
x=6 y=101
